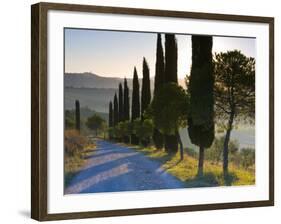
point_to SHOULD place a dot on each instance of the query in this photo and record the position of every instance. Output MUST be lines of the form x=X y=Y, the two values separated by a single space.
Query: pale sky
x=115 y=53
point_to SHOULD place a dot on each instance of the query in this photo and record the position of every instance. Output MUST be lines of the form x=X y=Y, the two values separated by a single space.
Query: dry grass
x=77 y=148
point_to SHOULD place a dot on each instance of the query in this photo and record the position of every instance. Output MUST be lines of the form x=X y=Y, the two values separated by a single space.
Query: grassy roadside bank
x=77 y=149
x=186 y=170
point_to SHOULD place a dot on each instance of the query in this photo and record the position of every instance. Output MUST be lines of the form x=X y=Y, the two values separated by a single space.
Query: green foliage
x=246 y=158
x=111 y=132
x=159 y=66
x=215 y=152
x=95 y=123
x=69 y=120
x=135 y=103
x=123 y=129
x=126 y=101
x=110 y=115
x=145 y=91
x=234 y=92
x=110 y=120
x=135 y=96
x=143 y=129
x=115 y=111
x=158 y=137
x=201 y=82
x=171 y=59
x=120 y=104
x=169 y=108
x=171 y=76
x=234 y=85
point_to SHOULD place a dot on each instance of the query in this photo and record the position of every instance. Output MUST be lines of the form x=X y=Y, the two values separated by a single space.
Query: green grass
x=186 y=170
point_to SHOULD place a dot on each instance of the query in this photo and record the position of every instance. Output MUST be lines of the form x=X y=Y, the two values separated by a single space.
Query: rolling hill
x=91 y=80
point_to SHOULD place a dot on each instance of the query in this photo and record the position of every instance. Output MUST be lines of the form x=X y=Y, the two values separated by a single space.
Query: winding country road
x=112 y=167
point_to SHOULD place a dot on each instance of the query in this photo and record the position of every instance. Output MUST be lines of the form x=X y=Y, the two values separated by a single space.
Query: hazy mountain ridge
x=91 y=80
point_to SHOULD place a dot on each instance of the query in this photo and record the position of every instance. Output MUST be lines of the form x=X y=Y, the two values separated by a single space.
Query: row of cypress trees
x=165 y=72
x=119 y=111
x=200 y=89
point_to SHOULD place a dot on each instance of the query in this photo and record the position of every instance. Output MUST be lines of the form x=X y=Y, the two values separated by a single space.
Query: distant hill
x=96 y=99
x=86 y=112
x=91 y=80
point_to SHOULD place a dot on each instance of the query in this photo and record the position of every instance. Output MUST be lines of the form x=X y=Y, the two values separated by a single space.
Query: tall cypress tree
x=171 y=76
x=115 y=111
x=77 y=115
x=120 y=104
x=171 y=59
x=135 y=103
x=126 y=101
x=158 y=138
x=110 y=118
x=145 y=91
x=126 y=109
x=201 y=85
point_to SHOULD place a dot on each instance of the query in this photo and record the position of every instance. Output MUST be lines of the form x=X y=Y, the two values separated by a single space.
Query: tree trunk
x=158 y=139
x=225 y=144
x=201 y=161
x=181 y=145
x=171 y=143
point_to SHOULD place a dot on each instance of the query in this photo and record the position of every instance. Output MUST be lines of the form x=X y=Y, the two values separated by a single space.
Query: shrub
x=95 y=123
x=69 y=119
x=215 y=152
x=247 y=156
x=143 y=129
x=73 y=142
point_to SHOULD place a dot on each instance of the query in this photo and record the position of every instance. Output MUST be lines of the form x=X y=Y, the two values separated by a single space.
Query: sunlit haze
x=115 y=53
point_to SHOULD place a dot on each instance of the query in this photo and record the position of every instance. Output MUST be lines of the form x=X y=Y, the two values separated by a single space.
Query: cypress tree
x=145 y=91
x=158 y=138
x=171 y=76
x=171 y=59
x=121 y=106
x=145 y=94
x=201 y=85
x=126 y=106
x=110 y=119
x=115 y=111
x=77 y=115
x=126 y=101
x=135 y=103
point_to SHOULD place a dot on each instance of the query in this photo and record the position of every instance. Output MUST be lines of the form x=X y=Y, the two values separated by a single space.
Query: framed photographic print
x=139 y=111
